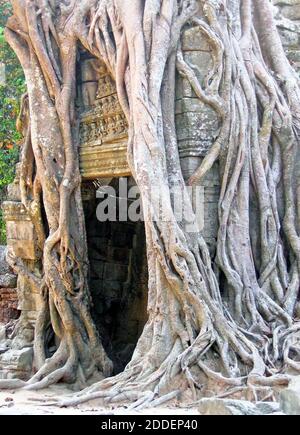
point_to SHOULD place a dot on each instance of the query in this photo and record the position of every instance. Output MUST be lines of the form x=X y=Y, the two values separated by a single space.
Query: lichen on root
x=237 y=334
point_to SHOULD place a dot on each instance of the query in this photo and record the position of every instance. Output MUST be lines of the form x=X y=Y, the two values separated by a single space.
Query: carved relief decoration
x=103 y=134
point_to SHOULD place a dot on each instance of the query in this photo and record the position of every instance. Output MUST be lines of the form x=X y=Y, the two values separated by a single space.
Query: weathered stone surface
x=4 y=267
x=8 y=295
x=227 y=407
x=8 y=305
x=21 y=235
x=8 y=280
x=292 y=12
x=268 y=408
x=202 y=64
x=290 y=39
x=21 y=238
x=201 y=126
x=290 y=398
x=16 y=364
x=193 y=40
x=288 y=21
x=236 y=407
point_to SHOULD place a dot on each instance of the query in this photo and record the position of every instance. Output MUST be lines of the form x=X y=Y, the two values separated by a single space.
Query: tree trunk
x=194 y=334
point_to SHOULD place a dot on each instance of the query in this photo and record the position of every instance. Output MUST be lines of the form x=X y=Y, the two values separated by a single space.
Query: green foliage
x=12 y=87
x=11 y=90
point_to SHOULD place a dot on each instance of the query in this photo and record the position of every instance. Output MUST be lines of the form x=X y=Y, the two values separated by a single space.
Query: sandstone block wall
x=287 y=13
x=8 y=293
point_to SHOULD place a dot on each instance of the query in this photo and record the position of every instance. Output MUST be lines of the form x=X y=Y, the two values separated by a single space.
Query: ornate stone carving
x=103 y=133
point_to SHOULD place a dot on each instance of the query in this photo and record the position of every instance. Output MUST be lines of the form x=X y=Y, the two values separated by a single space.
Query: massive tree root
x=52 y=178
x=200 y=334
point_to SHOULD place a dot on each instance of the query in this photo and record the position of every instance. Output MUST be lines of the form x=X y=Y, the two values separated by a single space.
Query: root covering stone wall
x=118 y=278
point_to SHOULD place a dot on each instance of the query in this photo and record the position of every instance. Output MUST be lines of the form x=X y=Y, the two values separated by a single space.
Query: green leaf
x=10 y=93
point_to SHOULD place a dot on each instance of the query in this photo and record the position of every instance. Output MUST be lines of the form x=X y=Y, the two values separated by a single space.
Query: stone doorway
x=118 y=279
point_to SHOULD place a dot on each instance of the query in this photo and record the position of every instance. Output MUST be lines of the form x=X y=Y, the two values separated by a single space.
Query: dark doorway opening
x=118 y=279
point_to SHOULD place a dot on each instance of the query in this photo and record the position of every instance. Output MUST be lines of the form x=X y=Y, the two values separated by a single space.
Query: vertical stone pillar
x=198 y=127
